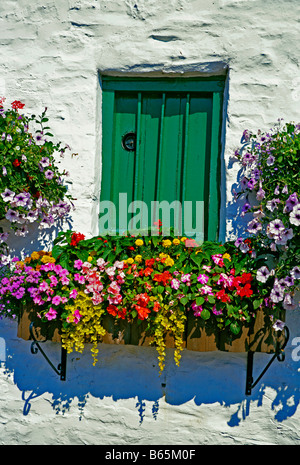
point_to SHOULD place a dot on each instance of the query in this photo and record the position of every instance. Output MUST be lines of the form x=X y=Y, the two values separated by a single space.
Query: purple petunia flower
x=295 y=215
x=270 y=160
x=284 y=237
x=251 y=183
x=238 y=242
x=278 y=325
x=272 y=204
x=245 y=208
x=21 y=199
x=277 y=294
x=44 y=162
x=291 y=202
x=275 y=227
x=8 y=195
x=49 y=174
x=263 y=274
x=295 y=272
x=12 y=215
x=254 y=226
x=32 y=215
x=288 y=302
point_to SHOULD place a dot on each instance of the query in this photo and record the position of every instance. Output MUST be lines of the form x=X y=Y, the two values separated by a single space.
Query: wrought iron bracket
x=279 y=355
x=35 y=347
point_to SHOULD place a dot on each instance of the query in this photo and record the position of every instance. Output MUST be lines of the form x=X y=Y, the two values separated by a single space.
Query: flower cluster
x=31 y=185
x=157 y=281
x=270 y=189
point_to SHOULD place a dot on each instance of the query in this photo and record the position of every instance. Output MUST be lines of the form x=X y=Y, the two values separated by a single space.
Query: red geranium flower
x=76 y=237
x=156 y=306
x=122 y=313
x=17 y=104
x=112 y=310
x=148 y=271
x=223 y=296
x=143 y=299
x=245 y=291
x=16 y=163
x=150 y=261
x=246 y=278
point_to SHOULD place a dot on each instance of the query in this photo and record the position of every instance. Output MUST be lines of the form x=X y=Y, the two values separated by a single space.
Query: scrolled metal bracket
x=35 y=347
x=279 y=354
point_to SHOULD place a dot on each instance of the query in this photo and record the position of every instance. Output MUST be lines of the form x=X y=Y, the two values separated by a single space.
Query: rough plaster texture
x=51 y=54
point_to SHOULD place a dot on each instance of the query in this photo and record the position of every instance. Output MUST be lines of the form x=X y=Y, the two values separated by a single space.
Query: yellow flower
x=226 y=255
x=163 y=255
x=130 y=260
x=89 y=258
x=138 y=258
x=35 y=255
x=176 y=241
x=183 y=239
x=169 y=261
x=20 y=264
x=47 y=259
x=139 y=242
x=166 y=243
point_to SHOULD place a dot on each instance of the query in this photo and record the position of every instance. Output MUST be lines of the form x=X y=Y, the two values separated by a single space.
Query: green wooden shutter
x=177 y=125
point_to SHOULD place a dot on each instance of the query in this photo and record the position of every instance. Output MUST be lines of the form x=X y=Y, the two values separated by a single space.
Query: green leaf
x=200 y=300
x=235 y=327
x=257 y=303
x=184 y=300
x=211 y=299
x=197 y=258
x=205 y=314
x=134 y=313
x=64 y=260
x=57 y=250
x=155 y=240
x=82 y=254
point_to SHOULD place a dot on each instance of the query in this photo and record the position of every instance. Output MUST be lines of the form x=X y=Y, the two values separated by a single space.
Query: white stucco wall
x=51 y=53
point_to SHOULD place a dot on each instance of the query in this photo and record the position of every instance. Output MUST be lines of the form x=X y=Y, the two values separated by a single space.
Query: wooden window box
x=259 y=337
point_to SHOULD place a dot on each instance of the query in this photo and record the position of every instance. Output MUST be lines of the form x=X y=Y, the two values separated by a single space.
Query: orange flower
x=143 y=312
x=164 y=277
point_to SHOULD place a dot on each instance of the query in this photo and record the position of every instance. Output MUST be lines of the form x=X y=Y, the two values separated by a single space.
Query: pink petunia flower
x=56 y=300
x=203 y=279
x=78 y=264
x=73 y=294
x=51 y=314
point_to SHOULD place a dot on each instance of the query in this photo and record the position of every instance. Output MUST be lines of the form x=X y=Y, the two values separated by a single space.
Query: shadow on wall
x=130 y=372
x=36 y=238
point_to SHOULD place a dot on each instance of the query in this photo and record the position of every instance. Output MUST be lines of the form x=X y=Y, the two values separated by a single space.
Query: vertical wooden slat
x=159 y=155
x=137 y=184
x=184 y=158
x=108 y=107
x=213 y=200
